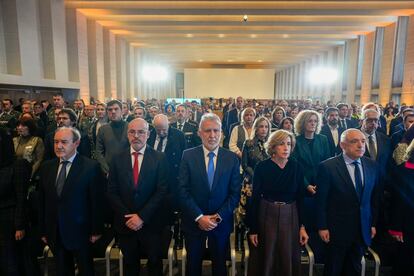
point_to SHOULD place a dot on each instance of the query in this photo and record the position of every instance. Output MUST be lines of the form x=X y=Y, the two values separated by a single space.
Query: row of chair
x=170 y=255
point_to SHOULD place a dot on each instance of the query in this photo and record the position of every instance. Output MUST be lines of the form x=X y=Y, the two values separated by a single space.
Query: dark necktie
x=371 y=148
x=136 y=169
x=210 y=168
x=159 y=146
x=60 y=181
x=343 y=123
x=358 y=179
x=180 y=126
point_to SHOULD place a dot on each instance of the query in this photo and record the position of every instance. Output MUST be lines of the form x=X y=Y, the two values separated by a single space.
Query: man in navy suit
x=137 y=186
x=71 y=201
x=344 y=121
x=347 y=204
x=209 y=191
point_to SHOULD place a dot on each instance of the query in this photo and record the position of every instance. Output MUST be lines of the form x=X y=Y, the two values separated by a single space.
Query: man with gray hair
x=172 y=143
x=71 y=202
x=378 y=146
x=209 y=191
x=347 y=204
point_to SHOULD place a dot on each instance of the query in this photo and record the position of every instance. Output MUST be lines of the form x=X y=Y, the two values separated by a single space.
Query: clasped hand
x=134 y=222
x=207 y=223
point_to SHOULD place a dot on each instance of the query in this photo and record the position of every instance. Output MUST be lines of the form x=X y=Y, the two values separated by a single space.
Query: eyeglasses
x=140 y=132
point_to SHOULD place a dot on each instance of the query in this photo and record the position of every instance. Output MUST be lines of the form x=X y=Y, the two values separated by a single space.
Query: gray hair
x=162 y=117
x=75 y=132
x=209 y=117
x=344 y=134
x=366 y=111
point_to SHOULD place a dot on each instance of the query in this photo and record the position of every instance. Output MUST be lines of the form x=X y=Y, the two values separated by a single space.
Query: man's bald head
x=160 y=123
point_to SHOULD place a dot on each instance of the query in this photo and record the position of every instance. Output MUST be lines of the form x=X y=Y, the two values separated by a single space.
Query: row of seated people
x=113 y=138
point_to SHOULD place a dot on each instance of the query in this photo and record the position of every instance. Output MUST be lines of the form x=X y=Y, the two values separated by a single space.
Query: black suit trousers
x=142 y=244
x=218 y=246
x=344 y=260
x=64 y=259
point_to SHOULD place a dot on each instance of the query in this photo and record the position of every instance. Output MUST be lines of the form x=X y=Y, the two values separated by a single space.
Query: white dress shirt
x=374 y=139
x=157 y=141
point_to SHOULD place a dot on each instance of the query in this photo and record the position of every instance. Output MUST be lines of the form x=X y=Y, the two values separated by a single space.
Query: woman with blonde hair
x=275 y=214
x=242 y=132
x=311 y=149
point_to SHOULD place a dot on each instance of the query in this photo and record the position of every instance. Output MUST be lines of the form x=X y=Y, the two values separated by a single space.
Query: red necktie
x=136 y=169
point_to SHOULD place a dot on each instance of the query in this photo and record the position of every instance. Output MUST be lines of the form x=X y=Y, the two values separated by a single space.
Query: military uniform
x=189 y=128
x=8 y=120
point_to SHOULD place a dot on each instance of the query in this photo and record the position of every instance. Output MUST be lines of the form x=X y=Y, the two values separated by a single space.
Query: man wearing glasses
x=137 y=186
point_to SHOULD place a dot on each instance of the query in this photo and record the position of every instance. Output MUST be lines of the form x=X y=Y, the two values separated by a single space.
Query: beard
x=333 y=122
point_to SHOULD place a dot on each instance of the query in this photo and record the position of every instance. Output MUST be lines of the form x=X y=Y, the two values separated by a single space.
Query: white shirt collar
x=206 y=151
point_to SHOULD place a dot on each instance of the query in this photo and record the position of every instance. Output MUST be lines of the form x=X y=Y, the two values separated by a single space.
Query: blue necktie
x=210 y=168
x=358 y=179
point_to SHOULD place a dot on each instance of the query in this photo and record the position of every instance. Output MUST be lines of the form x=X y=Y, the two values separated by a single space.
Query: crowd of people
x=281 y=174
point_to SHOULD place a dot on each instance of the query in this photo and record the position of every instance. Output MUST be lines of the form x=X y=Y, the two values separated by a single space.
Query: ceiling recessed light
x=253 y=36
x=200 y=60
x=260 y=60
x=189 y=35
x=229 y=60
x=221 y=35
x=285 y=36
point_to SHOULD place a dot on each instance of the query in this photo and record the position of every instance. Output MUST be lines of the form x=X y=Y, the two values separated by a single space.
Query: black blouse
x=273 y=183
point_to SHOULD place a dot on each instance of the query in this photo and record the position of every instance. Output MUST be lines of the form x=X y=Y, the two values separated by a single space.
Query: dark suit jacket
x=195 y=195
x=334 y=149
x=308 y=160
x=147 y=198
x=176 y=144
x=338 y=207
x=190 y=130
x=232 y=118
x=396 y=138
x=383 y=151
x=77 y=213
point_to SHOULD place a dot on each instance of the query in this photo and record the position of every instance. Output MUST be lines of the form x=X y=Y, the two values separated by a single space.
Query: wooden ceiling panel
x=203 y=33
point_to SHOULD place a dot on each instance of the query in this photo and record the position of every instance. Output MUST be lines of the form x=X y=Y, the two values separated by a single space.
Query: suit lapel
x=127 y=165
x=73 y=173
x=219 y=166
x=380 y=145
x=367 y=179
x=202 y=167
x=146 y=164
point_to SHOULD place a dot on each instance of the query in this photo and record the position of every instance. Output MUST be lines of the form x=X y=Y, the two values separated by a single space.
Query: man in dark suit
x=209 y=193
x=172 y=143
x=71 y=201
x=344 y=121
x=137 y=186
x=347 y=205
x=332 y=130
x=188 y=127
x=378 y=146
x=67 y=118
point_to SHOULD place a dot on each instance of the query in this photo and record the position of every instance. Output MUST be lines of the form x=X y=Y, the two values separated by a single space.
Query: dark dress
x=253 y=152
x=275 y=215
x=13 y=182
x=402 y=214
